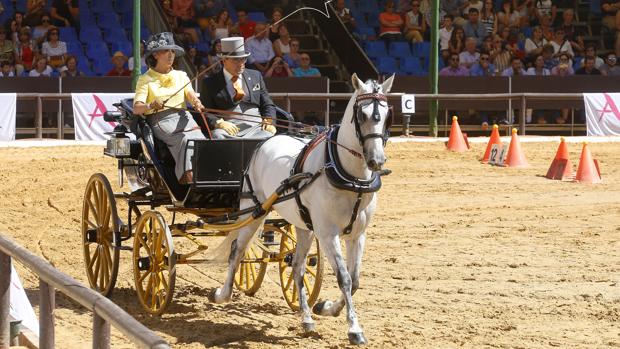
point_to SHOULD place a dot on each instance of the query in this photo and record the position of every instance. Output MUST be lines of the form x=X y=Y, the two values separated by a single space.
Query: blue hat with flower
x=160 y=42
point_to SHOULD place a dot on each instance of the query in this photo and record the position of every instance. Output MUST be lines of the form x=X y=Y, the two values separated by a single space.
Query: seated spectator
x=539 y=67
x=455 y=9
x=35 y=9
x=54 y=50
x=516 y=68
x=611 y=16
x=561 y=45
x=6 y=70
x=278 y=68
x=119 y=60
x=65 y=13
x=215 y=58
x=305 y=70
x=457 y=41
x=454 y=68
x=260 y=49
x=535 y=44
x=610 y=68
x=245 y=26
x=17 y=24
x=41 y=68
x=469 y=56
x=25 y=52
x=40 y=31
x=483 y=67
x=391 y=24
x=547 y=54
x=564 y=68
x=525 y=9
x=570 y=31
x=508 y=17
x=208 y=8
x=488 y=17
x=72 y=69
x=183 y=10
x=293 y=58
x=547 y=29
x=500 y=56
x=487 y=44
x=475 y=4
x=445 y=34
x=345 y=15
x=220 y=27
x=474 y=28
x=512 y=45
x=588 y=67
x=7 y=50
x=276 y=16
x=545 y=8
x=282 y=45
x=415 y=24
x=591 y=52
x=143 y=66
x=169 y=16
x=192 y=56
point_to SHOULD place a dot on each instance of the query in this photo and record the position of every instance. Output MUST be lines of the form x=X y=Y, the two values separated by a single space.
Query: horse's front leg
x=330 y=244
x=304 y=241
x=237 y=251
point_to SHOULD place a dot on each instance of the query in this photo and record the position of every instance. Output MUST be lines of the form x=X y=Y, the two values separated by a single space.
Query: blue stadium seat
x=97 y=49
x=68 y=34
x=116 y=34
x=124 y=46
x=127 y=20
x=412 y=66
x=124 y=6
x=595 y=7
x=203 y=47
x=75 y=48
x=89 y=34
x=375 y=49
x=367 y=33
x=257 y=17
x=400 y=49
x=102 y=67
x=108 y=20
x=422 y=49
x=386 y=65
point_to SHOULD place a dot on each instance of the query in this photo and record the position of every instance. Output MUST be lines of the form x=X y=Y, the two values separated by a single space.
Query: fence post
x=38 y=121
x=5 y=300
x=101 y=332
x=47 y=304
x=522 y=115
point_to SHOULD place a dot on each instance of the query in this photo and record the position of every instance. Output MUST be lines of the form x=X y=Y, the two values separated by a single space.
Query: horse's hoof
x=215 y=296
x=321 y=308
x=309 y=327
x=357 y=338
x=211 y=295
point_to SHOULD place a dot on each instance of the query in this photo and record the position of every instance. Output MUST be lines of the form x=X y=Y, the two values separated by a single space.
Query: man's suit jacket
x=214 y=94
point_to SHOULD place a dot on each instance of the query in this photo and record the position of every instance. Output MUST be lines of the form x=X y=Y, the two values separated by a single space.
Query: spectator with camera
x=278 y=68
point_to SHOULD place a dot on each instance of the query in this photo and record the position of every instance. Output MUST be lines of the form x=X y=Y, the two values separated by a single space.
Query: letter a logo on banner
x=613 y=109
x=99 y=106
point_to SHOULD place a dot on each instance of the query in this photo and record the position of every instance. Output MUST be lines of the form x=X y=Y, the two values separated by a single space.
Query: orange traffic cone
x=561 y=167
x=456 y=142
x=493 y=140
x=587 y=171
x=515 y=157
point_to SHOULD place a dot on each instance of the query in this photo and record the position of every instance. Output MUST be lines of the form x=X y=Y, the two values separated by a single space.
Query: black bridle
x=376 y=97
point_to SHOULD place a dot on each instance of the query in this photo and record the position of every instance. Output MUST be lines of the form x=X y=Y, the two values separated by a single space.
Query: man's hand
x=267 y=126
x=229 y=127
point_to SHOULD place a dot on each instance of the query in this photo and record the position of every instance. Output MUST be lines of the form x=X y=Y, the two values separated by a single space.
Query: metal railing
x=518 y=101
x=105 y=312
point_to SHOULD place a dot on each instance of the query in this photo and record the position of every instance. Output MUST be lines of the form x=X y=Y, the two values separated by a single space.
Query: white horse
x=340 y=210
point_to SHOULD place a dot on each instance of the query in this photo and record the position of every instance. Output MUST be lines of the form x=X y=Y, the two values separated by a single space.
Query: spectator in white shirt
x=261 y=49
x=41 y=68
x=469 y=56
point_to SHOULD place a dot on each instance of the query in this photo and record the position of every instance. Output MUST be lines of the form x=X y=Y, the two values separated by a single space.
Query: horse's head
x=372 y=118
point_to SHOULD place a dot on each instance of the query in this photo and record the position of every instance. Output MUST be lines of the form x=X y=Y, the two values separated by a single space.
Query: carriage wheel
x=314 y=269
x=251 y=271
x=100 y=234
x=154 y=263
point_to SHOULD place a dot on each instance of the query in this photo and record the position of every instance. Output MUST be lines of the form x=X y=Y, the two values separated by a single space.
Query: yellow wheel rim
x=251 y=271
x=153 y=263
x=100 y=239
x=314 y=269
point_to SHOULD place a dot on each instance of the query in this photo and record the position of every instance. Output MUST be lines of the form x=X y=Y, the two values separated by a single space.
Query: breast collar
x=338 y=177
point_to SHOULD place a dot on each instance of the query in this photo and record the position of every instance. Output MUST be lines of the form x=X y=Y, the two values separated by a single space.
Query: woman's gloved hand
x=267 y=126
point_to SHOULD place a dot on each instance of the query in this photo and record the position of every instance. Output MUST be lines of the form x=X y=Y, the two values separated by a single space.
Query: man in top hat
x=119 y=60
x=241 y=90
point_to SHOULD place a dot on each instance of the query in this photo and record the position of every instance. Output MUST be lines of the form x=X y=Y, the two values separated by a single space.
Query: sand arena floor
x=460 y=254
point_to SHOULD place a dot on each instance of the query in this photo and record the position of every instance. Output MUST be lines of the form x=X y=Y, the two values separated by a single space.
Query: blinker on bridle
x=375 y=97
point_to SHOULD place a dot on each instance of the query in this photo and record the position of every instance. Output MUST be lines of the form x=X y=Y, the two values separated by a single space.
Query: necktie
x=239 y=94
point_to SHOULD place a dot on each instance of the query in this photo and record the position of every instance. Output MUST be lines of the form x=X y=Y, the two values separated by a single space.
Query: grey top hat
x=233 y=47
x=162 y=41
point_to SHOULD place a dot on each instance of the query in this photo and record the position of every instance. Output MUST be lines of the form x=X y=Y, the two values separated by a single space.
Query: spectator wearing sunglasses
x=305 y=70
x=610 y=68
x=483 y=67
x=40 y=31
x=54 y=49
x=454 y=68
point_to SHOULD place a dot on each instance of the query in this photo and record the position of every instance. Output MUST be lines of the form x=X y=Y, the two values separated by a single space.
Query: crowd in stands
x=201 y=24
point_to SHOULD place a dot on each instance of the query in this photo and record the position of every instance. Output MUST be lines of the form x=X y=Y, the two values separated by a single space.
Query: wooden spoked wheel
x=154 y=263
x=313 y=275
x=251 y=271
x=100 y=234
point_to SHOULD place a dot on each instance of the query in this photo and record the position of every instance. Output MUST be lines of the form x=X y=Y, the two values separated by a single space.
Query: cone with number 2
x=493 y=140
x=516 y=157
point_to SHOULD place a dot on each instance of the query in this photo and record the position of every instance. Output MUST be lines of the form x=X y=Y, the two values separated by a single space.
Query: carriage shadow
x=183 y=320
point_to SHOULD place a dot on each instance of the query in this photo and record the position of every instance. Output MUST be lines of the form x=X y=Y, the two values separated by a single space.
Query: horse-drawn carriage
x=147 y=167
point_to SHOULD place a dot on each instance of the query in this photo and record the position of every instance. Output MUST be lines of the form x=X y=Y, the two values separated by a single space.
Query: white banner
x=602 y=113
x=88 y=109
x=7 y=116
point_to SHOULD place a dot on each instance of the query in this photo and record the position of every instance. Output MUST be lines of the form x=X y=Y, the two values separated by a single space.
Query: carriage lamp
x=118 y=147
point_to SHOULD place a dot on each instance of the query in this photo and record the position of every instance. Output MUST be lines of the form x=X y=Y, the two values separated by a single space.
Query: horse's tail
x=221 y=253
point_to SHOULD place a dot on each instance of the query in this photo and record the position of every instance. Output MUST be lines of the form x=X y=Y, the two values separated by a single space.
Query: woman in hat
x=118 y=60
x=162 y=83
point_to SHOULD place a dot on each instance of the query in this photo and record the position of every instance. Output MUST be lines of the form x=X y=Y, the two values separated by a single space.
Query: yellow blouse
x=152 y=85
